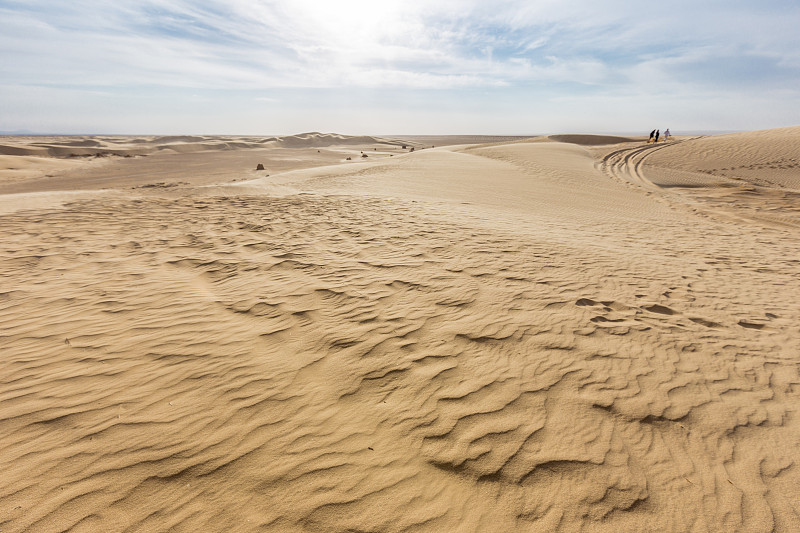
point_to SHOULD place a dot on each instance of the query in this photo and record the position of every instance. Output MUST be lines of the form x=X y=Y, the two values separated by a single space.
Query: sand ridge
x=525 y=336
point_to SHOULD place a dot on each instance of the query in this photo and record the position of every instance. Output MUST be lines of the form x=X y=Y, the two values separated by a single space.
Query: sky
x=513 y=67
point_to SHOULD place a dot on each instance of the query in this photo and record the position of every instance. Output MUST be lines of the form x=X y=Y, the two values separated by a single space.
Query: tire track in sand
x=627 y=166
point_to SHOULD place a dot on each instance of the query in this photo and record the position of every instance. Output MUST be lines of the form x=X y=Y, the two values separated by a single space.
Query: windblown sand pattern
x=524 y=337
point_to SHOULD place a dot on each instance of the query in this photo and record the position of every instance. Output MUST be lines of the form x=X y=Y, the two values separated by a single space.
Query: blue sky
x=392 y=67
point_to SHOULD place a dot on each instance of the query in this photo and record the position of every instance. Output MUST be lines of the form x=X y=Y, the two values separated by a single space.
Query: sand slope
x=524 y=337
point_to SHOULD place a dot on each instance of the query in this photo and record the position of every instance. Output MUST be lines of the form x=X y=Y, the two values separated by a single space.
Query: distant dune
x=317 y=140
x=121 y=145
x=567 y=333
x=40 y=163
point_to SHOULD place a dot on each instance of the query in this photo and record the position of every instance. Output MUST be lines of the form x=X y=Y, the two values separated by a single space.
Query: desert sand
x=575 y=333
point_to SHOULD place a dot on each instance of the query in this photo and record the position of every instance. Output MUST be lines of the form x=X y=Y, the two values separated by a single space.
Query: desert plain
x=561 y=333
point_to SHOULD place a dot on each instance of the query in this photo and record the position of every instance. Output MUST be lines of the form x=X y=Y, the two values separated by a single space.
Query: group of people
x=655 y=134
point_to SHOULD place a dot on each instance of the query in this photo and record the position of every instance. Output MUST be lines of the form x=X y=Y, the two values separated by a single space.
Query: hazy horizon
x=378 y=135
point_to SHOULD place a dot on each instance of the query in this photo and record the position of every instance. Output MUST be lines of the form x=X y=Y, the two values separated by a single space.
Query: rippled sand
x=519 y=336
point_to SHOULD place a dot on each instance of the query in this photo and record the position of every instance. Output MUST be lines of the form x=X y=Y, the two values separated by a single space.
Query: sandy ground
x=559 y=334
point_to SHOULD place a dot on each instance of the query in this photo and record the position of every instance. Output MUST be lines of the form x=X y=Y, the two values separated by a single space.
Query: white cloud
x=543 y=48
x=305 y=43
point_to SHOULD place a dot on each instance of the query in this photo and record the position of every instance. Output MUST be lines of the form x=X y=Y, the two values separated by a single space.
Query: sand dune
x=317 y=140
x=755 y=175
x=539 y=336
x=34 y=164
x=61 y=146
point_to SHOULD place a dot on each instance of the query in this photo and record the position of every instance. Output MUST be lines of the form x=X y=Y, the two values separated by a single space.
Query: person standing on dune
x=651 y=136
x=667 y=135
x=658 y=132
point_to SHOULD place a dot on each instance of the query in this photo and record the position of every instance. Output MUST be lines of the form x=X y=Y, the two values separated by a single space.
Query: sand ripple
x=343 y=363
